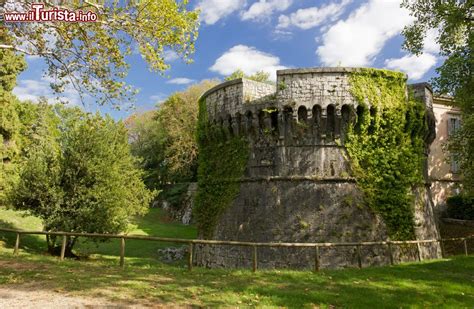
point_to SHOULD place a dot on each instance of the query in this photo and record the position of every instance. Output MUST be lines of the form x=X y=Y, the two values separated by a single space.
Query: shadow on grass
x=436 y=283
x=28 y=243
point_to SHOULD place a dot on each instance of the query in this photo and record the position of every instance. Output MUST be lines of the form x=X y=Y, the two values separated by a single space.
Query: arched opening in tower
x=302 y=114
x=331 y=122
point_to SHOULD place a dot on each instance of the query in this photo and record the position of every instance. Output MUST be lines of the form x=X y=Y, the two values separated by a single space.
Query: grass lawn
x=155 y=223
x=442 y=283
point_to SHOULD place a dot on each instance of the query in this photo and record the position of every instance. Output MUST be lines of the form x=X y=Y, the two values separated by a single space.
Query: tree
x=80 y=175
x=165 y=138
x=453 y=20
x=10 y=124
x=90 y=56
x=147 y=141
x=178 y=117
x=259 y=76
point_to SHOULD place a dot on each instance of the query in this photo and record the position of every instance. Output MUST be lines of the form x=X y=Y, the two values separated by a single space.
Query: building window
x=453 y=126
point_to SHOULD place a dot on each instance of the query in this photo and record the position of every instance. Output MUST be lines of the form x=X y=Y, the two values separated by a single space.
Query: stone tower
x=298 y=184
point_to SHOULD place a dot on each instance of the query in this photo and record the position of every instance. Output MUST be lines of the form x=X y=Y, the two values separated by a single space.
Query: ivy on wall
x=386 y=147
x=221 y=163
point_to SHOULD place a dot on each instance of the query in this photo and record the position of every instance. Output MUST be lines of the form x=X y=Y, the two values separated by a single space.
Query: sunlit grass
x=440 y=283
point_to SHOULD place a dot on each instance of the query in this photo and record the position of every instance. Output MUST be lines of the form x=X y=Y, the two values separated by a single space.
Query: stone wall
x=322 y=86
x=298 y=185
x=231 y=97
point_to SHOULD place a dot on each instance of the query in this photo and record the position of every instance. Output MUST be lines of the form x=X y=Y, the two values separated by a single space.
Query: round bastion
x=298 y=185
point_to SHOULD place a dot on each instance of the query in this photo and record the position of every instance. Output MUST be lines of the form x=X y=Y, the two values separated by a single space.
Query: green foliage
x=259 y=76
x=166 y=138
x=462 y=144
x=453 y=21
x=147 y=142
x=386 y=147
x=10 y=125
x=178 y=116
x=461 y=207
x=222 y=162
x=174 y=194
x=80 y=175
x=90 y=56
x=282 y=86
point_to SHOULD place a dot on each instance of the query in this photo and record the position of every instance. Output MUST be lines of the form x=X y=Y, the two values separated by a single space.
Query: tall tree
x=453 y=20
x=10 y=125
x=178 y=117
x=165 y=138
x=80 y=175
x=90 y=56
x=147 y=141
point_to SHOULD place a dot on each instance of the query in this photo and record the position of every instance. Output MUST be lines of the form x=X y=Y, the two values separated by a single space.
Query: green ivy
x=386 y=147
x=222 y=161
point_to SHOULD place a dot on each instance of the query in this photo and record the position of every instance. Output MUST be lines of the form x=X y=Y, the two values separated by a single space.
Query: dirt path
x=39 y=299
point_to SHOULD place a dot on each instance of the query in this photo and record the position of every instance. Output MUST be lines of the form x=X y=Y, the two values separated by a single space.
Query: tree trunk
x=55 y=250
x=51 y=241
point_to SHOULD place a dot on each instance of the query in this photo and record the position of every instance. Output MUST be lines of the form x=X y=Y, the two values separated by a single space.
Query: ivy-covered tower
x=325 y=155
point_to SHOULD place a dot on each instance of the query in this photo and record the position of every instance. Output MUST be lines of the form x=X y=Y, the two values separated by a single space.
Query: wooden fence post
x=122 y=252
x=418 y=249
x=359 y=257
x=390 y=253
x=254 y=268
x=316 y=259
x=441 y=244
x=63 y=248
x=465 y=246
x=190 y=260
x=17 y=244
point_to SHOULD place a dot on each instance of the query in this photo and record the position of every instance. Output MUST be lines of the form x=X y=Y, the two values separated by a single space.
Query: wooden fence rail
x=192 y=242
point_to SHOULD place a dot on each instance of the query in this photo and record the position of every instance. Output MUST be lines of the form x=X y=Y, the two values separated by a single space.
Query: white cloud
x=414 y=66
x=32 y=90
x=282 y=35
x=248 y=59
x=263 y=9
x=170 y=55
x=429 y=43
x=158 y=98
x=213 y=10
x=358 y=39
x=314 y=16
x=180 y=81
x=417 y=66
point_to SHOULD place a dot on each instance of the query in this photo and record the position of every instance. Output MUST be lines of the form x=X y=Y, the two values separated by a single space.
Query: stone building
x=298 y=185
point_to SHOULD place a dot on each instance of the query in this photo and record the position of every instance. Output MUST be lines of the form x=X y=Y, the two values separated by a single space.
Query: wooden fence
x=192 y=242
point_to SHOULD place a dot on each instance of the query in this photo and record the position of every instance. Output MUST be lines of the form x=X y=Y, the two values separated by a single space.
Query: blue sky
x=268 y=35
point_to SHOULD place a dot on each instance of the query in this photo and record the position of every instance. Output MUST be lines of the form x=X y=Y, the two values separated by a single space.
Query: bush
x=174 y=194
x=80 y=176
x=461 y=207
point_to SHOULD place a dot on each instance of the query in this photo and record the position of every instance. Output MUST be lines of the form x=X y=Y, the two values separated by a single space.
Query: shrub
x=461 y=207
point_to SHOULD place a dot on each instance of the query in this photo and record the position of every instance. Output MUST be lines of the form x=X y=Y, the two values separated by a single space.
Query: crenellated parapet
x=315 y=104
